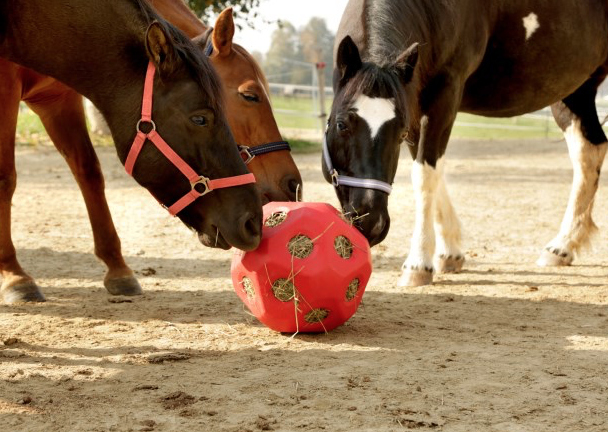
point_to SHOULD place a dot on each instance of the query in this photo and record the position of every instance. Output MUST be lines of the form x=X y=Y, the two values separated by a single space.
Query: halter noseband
x=342 y=180
x=153 y=136
x=250 y=152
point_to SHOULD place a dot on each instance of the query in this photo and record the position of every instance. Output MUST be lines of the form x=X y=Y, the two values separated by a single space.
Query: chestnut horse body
x=109 y=42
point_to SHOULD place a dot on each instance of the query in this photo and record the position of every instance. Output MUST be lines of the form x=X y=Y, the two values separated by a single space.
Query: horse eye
x=341 y=126
x=199 y=120
x=250 y=97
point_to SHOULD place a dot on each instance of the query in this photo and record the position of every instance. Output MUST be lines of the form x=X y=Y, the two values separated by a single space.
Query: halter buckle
x=140 y=121
x=246 y=154
x=334 y=177
x=202 y=180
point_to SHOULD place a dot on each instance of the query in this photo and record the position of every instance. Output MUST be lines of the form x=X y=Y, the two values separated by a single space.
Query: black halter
x=250 y=152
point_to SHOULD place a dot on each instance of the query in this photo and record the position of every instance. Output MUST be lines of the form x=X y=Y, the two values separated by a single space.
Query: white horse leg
x=418 y=267
x=577 y=225
x=448 y=255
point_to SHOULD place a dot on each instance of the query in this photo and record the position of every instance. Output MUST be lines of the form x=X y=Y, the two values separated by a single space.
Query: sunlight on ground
x=588 y=343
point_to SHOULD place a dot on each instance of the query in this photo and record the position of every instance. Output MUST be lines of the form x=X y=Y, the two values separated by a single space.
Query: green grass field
x=31 y=132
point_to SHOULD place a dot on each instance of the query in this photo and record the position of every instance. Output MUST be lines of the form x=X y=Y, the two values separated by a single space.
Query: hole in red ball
x=352 y=290
x=284 y=290
x=275 y=219
x=343 y=247
x=300 y=246
x=248 y=287
x=316 y=315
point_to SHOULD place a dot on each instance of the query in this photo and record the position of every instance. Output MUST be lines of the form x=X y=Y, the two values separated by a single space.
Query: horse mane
x=191 y=55
x=393 y=26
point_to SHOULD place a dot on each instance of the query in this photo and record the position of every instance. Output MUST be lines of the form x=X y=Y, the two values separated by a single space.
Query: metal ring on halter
x=334 y=177
x=245 y=151
x=140 y=121
x=202 y=180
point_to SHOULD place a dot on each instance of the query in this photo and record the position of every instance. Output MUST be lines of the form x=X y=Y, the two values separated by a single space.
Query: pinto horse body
x=404 y=68
x=102 y=51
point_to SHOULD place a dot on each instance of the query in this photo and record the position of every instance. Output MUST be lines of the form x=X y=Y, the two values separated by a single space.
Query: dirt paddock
x=504 y=346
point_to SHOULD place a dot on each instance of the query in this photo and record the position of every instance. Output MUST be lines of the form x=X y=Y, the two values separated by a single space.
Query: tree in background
x=317 y=44
x=290 y=48
x=284 y=45
x=245 y=9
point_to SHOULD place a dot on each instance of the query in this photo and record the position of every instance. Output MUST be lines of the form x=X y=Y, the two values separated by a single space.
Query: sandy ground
x=503 y=346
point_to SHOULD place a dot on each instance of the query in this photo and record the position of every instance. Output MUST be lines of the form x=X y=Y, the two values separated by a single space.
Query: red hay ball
x=309 y=272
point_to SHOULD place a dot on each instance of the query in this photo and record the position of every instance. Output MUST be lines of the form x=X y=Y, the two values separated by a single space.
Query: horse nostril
x=250 y=228
x=293 y=189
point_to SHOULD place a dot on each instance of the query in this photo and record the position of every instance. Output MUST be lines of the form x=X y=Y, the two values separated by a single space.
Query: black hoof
x=126 y=286
x=27 y=292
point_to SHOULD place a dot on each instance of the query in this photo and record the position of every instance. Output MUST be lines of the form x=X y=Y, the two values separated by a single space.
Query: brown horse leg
x=17 y=286
x=63 y=118
x=577 y=117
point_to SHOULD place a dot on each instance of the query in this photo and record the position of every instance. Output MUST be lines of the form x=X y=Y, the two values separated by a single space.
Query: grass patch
x=31 y=132
x=304 y=146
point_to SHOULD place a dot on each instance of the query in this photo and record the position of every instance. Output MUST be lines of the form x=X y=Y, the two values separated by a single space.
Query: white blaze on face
x=375 y=111
x=531 y=24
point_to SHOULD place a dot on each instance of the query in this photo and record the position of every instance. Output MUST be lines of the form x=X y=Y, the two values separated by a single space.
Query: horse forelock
x=376 y=82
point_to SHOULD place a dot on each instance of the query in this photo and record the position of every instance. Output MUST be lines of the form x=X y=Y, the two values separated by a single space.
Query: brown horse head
x=247 y=104
x=188 y=115
x=100 y=49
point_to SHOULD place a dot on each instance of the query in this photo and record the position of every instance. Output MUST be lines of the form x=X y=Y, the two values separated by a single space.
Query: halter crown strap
x=339 y=180
x=209 y=49
x=196 y=181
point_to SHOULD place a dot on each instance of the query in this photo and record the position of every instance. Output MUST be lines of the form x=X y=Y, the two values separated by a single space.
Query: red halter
x=153 y=136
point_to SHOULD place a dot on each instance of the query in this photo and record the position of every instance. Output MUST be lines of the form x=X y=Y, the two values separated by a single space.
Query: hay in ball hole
x=300 y=246
x=352 y=290
x=248 y=287
x=316 y=315
x=284 y=289
x=275 y=219
x=343 y=247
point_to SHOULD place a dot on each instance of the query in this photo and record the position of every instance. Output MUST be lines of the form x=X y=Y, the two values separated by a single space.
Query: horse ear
x=160 y=50
x=348 y=60
x=406 y=62
x=223 y=32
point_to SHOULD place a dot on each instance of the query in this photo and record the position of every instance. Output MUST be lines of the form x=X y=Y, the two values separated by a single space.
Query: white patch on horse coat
x=577 y=225
x=425 y=180
x=375 y=111
x=531 y=24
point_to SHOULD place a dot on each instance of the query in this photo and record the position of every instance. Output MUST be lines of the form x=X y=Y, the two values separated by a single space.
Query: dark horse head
x=368 y=121
x=188 y=113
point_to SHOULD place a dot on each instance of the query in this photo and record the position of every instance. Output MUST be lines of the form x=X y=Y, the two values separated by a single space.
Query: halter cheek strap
x=197 y=181
x=248 y=153
x=342 y=180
